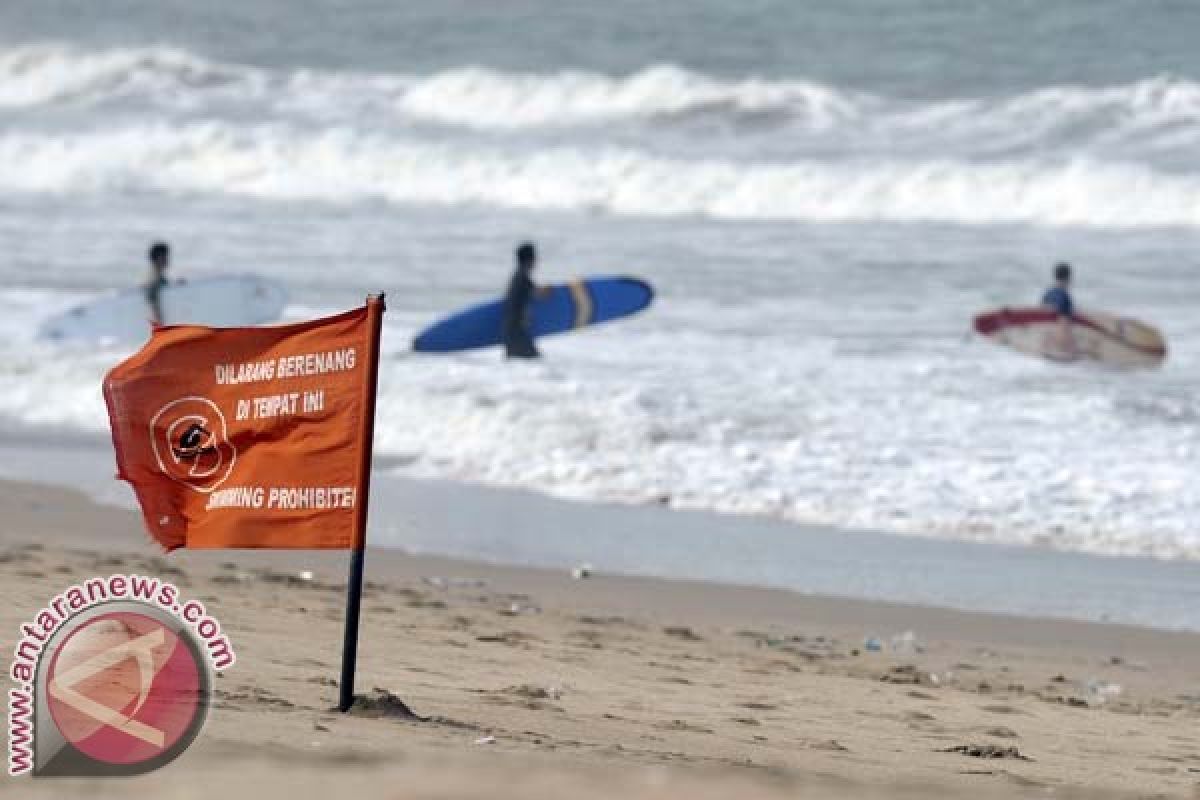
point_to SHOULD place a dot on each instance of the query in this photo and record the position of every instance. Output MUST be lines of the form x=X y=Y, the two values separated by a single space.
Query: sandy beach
x=529 y=683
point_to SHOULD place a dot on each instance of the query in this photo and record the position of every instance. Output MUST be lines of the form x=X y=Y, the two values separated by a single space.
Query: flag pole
x=375 y=309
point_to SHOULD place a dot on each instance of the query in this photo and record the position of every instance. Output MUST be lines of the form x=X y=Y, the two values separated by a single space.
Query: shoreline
x=657 y=688
x=521 y=527
x=612 y=592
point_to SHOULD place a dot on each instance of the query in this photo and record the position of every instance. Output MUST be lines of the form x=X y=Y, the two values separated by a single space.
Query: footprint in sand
x=682 y=632
x=918 y=716
x=11 y=557
x=160 y=567
x=1000 y=732
x=680 y=725
x=249 y=698
x=606 y=621
x=903 y=674
x=832 y=745
x=532 y=698
x=510 y=638
x=588 y=639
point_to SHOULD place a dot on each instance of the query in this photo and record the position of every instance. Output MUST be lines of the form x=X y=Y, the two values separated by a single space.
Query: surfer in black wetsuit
x=518 y=343
x=160 y=260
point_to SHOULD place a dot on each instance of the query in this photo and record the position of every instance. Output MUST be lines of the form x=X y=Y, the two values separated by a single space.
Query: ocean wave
x=471 y=96
x=342 y=165
x=38 y=75
x=478 y=97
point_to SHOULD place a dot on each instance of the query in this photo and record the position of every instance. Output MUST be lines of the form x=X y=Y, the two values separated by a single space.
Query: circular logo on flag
x=191 y=443
x=128 y=691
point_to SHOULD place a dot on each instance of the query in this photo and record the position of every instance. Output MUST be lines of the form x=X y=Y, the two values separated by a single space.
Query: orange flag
x=250 y=437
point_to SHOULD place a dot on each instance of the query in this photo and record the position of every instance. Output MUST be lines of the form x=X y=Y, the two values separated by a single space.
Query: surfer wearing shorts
x=518 y=343
x=1058 y=298
x=160 y=260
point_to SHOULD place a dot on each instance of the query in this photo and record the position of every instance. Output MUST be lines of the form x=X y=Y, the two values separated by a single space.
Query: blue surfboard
x=563 y=308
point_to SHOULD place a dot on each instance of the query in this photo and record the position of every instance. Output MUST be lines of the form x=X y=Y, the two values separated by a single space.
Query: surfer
x=518 y=343
x=1058 y=298
x=160 y=260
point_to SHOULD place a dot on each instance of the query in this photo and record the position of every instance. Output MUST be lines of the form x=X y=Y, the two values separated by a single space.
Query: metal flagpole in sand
x=376 y=307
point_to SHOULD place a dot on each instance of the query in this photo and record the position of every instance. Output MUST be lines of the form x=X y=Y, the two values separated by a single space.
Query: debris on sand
x=302 y=580
x=1098 y=692
x=907 y=644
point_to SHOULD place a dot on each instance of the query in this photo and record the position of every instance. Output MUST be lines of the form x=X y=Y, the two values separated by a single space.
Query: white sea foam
x=487 y=98
x=797 y=429
x=344 y=166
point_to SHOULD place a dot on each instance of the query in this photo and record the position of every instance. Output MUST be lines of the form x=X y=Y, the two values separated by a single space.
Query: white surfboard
x=1093 y=336
x=124 y=316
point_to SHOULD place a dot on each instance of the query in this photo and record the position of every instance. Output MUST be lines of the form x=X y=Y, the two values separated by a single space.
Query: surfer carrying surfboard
x=1058 y=297
x=160 y=260
x=518 y=343
x=1057 y=330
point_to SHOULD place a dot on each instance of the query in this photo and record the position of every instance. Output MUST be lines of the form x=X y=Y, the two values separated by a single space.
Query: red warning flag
x=251 y=437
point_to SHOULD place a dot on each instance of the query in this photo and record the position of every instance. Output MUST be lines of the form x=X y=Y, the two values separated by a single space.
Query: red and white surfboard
x=1088 y=336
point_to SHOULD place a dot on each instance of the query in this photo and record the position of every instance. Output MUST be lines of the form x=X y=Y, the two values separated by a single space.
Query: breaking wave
x=478 y=97
x=343 y=165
